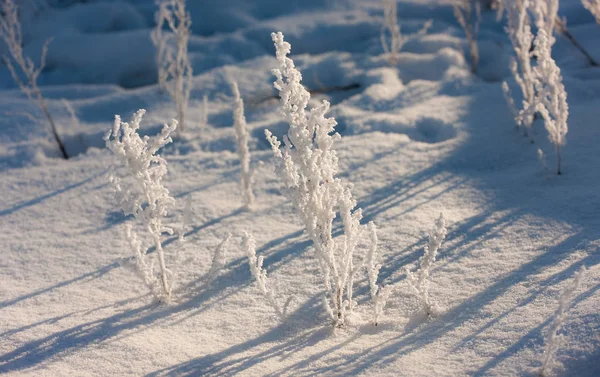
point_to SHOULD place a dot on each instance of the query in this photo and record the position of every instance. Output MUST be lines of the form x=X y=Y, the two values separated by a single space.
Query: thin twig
x=563 y=29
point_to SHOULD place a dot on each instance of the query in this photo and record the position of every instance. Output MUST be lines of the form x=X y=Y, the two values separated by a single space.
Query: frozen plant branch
x=256 y=267
x=468 y=15
x=554 y=340
x=562 y=26
x=144 y=194
x=518 y=29
x=392 y=40
x=308 y=165
x=379 y=294
x=11 y=34
x=594 y=7
x=174 y=68
x=241 y=136
x=551 y=100
x=545 y=13
x=419 y=281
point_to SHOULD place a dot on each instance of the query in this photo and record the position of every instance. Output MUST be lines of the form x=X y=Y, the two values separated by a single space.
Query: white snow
x=418 y=138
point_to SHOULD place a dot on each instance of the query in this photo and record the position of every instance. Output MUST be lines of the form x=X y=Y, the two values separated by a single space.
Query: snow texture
x=418 y=138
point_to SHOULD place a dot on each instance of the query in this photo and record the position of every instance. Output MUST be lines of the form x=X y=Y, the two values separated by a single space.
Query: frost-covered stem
x=10 y=32
x=175 y=72
x=308 y=165
x=160 y=42
x=554 y=340
x=551 y=100
x=241 y=136
x=468 y=15
x=379 y=295
x=164 y=279
x=419 y=281
x=218 y=261
x=545 y=13
x=391 y=27
x=594 y=7
x=519 y=30
x=147 y=198
x=562 y=25
x=510 y=102
x=140 y=266
x=260 y=275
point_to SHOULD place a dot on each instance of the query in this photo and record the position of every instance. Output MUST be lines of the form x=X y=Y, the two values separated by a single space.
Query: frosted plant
x=379 y=294
x=594 y=7
x=468 y=15
x=174 y=68
x=11 y=34
x=553 y=339
x=241 y=136
x=391 y=37
x=218 y=261
x=419 y=281
x=144 y=195
x=546 y=16
x=160 y=42
x=551 y=100
x=519 y=30
x=308 y=165
x=260 y=275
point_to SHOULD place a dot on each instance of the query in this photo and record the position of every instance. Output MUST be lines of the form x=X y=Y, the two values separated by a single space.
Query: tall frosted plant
x=174 y=68
x=551 y=100
x=308 y=165
x=241 y=136
x=11 y=34
x=391 y=37
x=519 y=30
x=143 y=194
x=468 y=15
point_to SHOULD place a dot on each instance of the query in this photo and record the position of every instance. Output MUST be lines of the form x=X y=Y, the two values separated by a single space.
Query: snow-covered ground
x=419 y=138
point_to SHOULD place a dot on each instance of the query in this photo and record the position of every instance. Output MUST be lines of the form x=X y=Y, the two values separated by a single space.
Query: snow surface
x=422 y=137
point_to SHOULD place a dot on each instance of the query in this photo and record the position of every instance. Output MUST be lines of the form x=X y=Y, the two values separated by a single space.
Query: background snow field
x=418 y=138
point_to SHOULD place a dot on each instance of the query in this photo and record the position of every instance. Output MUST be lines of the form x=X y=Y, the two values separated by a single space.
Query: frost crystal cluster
x=143 y=194
x=308 y=167
x=545 y=13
